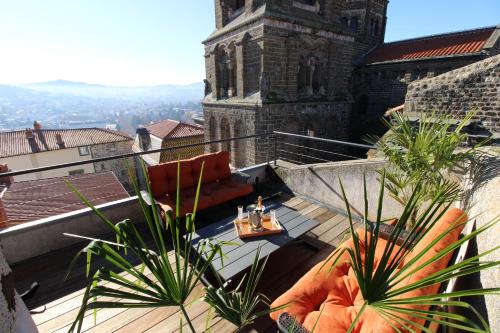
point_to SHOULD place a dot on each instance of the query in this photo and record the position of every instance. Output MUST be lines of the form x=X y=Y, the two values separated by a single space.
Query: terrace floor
x=57 y=301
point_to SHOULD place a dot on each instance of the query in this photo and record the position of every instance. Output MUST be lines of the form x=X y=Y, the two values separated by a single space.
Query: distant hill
x=161 y=93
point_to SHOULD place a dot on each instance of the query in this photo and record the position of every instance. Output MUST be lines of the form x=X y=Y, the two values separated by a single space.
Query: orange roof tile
x=169 y=129
x=36 y=199
x=15 y=143
x=451 y=44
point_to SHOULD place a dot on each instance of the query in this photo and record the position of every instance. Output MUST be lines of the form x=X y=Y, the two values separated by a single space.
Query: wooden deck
x=58 y=301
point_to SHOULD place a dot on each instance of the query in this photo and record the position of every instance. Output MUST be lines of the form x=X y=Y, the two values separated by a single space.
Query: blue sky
x=149 y=42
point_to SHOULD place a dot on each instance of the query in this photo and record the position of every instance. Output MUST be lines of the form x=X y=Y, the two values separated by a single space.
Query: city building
x=36 y=147
x=168 y=134
x=317 y=68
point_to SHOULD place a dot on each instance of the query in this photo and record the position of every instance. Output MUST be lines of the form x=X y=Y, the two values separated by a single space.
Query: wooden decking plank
x=322 y=218
x=303 y=205
x=172 y=323
x=146 y=321
x=124 y=317
x=293 y=201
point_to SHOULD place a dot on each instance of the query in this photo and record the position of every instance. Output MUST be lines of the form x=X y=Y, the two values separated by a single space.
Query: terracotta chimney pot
x=59 y=140
x=5 y=180
x=3 y=215
x=29 y=133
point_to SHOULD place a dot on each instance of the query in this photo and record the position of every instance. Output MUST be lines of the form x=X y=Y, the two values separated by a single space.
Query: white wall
x=156 y=143
x=41 y=159
x=321 y=182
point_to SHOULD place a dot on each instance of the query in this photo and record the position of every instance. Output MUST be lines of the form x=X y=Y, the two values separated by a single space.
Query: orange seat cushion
x=336 y=294
x=226 y=191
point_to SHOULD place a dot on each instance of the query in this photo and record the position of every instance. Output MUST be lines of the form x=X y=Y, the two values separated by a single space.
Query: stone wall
x=282 y=65
x=183 y=153
x=378 y=88
x=481 y=202
x=473 y=87
x=118 y=166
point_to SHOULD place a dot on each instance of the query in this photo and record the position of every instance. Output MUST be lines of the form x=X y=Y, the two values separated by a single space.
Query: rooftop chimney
x=60 y=141
x=37 y=126
x=29 y=133
x=7 y=181
x=144 y=138
x=3 y=215
x=31 y=141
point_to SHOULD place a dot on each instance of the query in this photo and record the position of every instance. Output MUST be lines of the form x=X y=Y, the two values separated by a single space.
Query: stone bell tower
x=281 y=65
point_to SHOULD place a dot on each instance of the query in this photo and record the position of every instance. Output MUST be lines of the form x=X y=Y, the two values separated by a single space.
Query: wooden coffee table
x=241 y=256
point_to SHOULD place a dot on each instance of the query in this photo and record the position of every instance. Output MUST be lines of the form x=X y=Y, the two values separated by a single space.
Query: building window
x=345 y=22
x=84 y=151
x=354 y=24
x=363 y=103
x=239 y=4
x=310 y=133
x=76 y=172
x=376 y=29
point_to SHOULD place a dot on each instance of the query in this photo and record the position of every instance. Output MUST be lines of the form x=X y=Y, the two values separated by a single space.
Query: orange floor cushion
x=336 y=295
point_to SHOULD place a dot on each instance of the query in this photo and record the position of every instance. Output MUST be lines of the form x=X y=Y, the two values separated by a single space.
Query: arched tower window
x=225 y=133
x=239 y=146
x=309 y=80
x=362 y=105
x=226 y=71
x=376 y=29
x=212 y=132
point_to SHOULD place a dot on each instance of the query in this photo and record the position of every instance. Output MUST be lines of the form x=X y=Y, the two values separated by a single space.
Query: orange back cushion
x=214 y=168
x=163 y=177
x=158 y=180
x=222 y=165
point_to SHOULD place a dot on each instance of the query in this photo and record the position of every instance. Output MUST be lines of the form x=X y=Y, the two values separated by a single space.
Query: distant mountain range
x=161 y=93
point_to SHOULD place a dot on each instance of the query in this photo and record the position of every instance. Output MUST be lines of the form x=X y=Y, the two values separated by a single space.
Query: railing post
x=275 y=149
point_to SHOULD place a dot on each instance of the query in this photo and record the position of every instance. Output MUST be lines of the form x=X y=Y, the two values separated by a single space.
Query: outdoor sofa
x=337 y=293
x=219 y=184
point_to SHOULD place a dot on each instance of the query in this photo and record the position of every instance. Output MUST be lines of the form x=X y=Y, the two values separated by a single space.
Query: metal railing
x=275 y=135
x=271 y=147
x=307 y=153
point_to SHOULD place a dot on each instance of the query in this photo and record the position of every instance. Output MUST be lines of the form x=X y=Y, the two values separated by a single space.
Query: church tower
x=284 y=65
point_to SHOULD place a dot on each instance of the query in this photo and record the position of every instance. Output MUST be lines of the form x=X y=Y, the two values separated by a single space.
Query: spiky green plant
x=428 y=150
x=380 y=278
x=176 y=266
x=240 y=307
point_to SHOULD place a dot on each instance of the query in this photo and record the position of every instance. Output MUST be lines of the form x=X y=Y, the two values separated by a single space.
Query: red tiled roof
x=36 y=199
x=170 y=129
x=15 y=143
x=457 y=43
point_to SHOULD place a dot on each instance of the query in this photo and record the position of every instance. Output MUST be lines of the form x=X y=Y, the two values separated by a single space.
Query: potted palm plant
x=397 y=277
x=430 y=149
x=174 y=267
